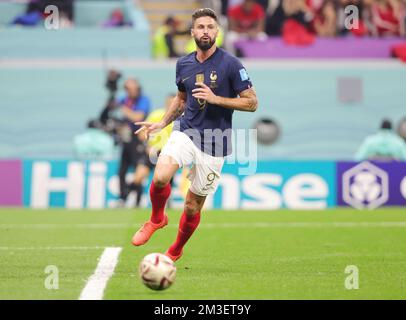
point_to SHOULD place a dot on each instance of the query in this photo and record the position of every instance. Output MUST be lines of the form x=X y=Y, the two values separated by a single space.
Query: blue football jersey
x=209 y=126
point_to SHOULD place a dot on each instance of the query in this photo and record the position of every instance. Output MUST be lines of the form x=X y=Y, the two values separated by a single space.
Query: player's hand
x=149 y=127
x=204 y=93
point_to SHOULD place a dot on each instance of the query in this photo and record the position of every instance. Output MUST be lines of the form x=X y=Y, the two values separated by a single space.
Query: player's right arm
x=174 y=111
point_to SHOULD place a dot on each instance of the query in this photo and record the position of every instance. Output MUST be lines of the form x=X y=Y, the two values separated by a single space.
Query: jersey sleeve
x=239 y=78
x=179 y=83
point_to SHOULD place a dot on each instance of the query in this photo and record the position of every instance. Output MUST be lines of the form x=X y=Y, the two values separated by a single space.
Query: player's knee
x=191 y=207
x=161 y=180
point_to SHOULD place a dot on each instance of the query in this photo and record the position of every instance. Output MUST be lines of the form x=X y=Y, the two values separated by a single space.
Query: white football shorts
x=206 y=170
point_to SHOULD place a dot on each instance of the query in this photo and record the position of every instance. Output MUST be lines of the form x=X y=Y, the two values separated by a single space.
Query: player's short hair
x=203 y=12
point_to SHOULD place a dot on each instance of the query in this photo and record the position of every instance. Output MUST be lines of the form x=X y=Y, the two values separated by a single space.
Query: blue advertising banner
x=94 y=184
x=268 y=185
x=70 y=184
x=278 y=184
x=369 y=185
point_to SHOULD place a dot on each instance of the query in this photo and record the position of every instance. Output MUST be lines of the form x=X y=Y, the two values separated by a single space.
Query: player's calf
x=187 y=225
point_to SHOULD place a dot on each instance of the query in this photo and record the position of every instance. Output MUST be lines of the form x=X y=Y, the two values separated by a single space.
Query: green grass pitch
x=233 y=255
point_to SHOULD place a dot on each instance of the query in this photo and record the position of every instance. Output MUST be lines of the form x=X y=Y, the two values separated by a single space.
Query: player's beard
x=205 y=45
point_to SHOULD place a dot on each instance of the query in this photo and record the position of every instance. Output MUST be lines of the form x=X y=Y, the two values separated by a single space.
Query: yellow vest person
x=159 y=46
x=159 y=139
x=163 y=39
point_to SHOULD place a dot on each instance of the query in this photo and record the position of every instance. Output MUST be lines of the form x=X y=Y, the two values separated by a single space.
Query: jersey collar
x=208 y=59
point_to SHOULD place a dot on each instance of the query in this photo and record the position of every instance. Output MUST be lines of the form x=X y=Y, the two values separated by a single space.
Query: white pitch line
x=97 y=282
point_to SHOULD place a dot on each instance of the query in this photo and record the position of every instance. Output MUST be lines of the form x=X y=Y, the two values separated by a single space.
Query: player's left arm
x=247 y=100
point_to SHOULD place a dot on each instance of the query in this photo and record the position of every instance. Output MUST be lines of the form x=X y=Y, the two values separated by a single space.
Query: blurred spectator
x=264 y=4
x=362 y=24
x=324 y=22
x=285 y=10
x=399 y=51
x=94 y=143
x=116 y=20
x=325 y=18
x=65 y=6
x=314 y=5
x=64 y=21
x=294 y=33
x=224 y=7
x=384 y=145
x=32 y=15
x=246 y=21
x=135 y=107
x=163 y=43
x=35 y=13
x=232 y=3
x=292 y=19
x=388 y=17
x=216 y=5
x=220 y=7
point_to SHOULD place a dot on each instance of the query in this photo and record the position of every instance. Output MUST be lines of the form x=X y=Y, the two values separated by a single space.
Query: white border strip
x=97 y=282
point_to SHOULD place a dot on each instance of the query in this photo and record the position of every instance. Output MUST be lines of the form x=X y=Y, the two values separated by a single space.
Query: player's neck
x=202 y=56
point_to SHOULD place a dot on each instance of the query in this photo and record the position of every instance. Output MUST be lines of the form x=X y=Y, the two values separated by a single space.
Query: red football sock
x=187 y=225
x=159 y=196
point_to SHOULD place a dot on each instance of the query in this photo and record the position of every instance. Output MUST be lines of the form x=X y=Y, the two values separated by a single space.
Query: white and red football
x=157 y=271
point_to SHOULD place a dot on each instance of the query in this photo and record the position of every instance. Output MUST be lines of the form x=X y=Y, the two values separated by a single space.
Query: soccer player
x=211 y=85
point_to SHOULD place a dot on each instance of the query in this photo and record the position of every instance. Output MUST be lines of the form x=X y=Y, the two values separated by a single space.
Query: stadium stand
x=330 y=48
x=157 y=11
x=63 y=84
x=86 y=40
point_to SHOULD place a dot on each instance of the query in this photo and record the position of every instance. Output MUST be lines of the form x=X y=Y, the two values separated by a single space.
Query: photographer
x=134 y=107
x=102 y=134
x=110 y=123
